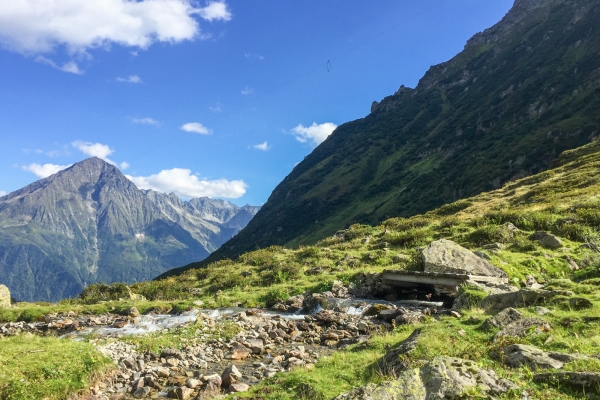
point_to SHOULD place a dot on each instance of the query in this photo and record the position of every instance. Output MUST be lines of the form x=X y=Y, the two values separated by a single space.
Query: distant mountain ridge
x=90 y=223
x=519 y=94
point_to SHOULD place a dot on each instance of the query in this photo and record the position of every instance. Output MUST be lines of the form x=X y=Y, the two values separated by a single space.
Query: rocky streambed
x=205 y=365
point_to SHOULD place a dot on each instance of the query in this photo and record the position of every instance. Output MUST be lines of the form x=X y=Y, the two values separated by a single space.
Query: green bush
x=260 y=257
x=409 y=238
x=161 y=290
x=274 y=296
x=97 y=292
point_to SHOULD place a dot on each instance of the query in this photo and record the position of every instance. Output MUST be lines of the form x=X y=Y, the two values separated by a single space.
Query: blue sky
x=218 y=99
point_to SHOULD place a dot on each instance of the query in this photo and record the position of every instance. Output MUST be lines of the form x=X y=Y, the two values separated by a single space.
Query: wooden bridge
x=415 y=278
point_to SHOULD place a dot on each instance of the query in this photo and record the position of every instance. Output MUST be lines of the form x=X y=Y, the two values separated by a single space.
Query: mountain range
x=519 y=94
x=89 y=223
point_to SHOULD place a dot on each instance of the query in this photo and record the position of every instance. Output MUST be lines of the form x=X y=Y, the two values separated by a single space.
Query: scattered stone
x=523 y=327
x=455 y=314
x=586 y=382
x=441 y=378
x=502 y=319
x=445 y=256
x=547 y=240
x=239 y=353
x=134 y=312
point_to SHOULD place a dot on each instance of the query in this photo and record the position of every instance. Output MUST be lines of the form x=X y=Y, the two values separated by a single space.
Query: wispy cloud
x=253 y=55
x=49 y=153
x=247 y=90
x=216 y=109
x=316 y=133
x=196 y=127
x=146 y=121
x=124 y=165
x=70 y=67
x=183 y=183
x=44 y=171
x=130 y=79
x=262 y=146
x=34 y=26
x=3 y=193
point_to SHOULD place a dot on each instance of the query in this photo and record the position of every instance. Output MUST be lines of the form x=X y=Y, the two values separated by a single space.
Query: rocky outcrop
x=521 y=298
x=441 y=378
x=523 y=327
x=395 y=360
x=446 y=256
x=547 y=240
x=5 y=301
x=518 y=355
x=586 y=382
x=502 y=319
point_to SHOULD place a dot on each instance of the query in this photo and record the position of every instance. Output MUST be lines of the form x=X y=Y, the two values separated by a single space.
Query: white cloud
x=196 y=127
x=70 y=66
x=124 y=165
x=44 y=171
x=37 y=26
x=263 y=146
x=183 y=183
x=94 y=149
x=3 y=193
x=146 y=121
x=130 y=79
x=247 y=90
x=314 y=133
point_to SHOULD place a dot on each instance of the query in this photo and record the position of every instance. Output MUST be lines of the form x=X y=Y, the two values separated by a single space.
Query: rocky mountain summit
x=90 y=223
x=519 y=94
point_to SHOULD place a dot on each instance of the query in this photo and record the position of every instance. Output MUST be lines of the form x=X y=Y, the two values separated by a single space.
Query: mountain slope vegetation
x=518 y=95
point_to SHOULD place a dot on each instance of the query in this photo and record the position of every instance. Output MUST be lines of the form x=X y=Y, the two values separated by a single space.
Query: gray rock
x=445 y=256
x=542 y=310
x=392 y=363
x=255 y=345
x=580 y=303
x=523 y=327
x=142 y=392
x=547 y=240
x=482 y=254
x=441 y=378
x=518 y=355
x=521 y=298
x=587 y=382
x=502 y=319
x=230 y=375
x=4 y=297
x=181 y=393
x=238 y=387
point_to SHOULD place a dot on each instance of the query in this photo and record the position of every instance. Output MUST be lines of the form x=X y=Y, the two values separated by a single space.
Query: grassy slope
x=46 y=368
x=527 y=98
x=564 y=200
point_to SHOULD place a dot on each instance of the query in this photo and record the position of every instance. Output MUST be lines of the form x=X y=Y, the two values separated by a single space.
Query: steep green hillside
x=518 y=95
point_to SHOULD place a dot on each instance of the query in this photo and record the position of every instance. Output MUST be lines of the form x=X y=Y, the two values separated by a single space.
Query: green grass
x=36 y=368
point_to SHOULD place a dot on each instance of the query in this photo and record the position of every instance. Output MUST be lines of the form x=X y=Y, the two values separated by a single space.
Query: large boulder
x=517 y=355
x=521 y=298
x=445 y=256
x=4 y=297
x=547 y=240
x=441 y=378
x=502 y=319
x=523 y=327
